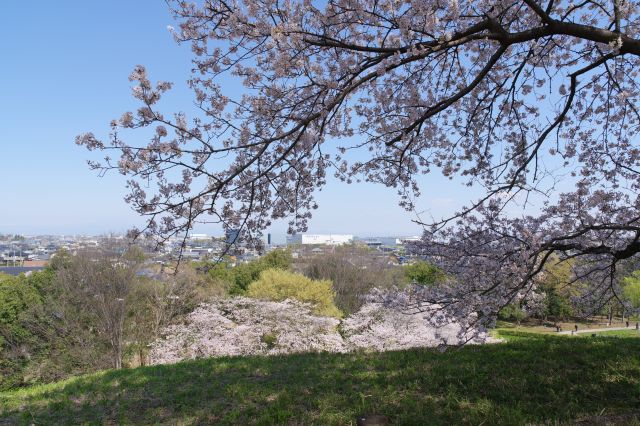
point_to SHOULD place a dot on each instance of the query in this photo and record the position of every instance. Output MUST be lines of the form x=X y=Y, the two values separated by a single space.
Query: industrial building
x=319 y=239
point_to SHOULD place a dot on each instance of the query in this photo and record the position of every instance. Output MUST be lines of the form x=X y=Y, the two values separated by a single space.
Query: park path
x=596 y=330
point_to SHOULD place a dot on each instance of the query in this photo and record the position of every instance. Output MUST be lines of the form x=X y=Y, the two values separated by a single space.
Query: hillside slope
x=530 y=379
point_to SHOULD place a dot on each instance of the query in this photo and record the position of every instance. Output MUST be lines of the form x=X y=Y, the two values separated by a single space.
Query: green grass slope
x=531 y=378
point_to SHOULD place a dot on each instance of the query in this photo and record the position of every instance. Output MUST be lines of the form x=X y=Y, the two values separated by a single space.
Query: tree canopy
x=534 y=102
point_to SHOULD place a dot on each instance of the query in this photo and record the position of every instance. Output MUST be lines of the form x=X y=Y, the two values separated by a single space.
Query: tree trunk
x=142 y=357
x=117 y=355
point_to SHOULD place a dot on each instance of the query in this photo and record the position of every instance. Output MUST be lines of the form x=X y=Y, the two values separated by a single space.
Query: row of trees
x=352 y=270
x=102 y=309
x=559 y=295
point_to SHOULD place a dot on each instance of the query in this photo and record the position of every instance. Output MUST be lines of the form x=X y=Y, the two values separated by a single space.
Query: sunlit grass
x=531 y=378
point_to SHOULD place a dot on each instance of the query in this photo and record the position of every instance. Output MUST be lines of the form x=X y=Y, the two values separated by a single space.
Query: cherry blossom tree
x=245 y=326
x=533 y=102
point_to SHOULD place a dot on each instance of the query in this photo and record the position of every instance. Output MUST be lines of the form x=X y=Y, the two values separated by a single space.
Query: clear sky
x=65 y=68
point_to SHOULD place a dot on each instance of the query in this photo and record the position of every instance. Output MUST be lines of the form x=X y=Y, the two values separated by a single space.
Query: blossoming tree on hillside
x=509 y=96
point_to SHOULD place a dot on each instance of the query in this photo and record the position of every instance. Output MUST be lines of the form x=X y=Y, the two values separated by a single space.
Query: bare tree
x=98 y=284
x=151 y=305
x=354 y=271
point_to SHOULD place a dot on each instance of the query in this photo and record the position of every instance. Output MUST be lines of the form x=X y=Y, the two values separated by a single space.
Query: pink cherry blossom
x=479 y=91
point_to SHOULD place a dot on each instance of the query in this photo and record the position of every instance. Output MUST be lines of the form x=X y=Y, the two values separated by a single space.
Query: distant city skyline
x=78 y=81
x=276 y=238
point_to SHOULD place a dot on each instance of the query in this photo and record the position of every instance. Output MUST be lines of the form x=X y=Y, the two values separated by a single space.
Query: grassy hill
x=532 y=378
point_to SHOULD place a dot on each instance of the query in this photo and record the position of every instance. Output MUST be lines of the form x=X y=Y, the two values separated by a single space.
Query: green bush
x=276 y=284
x=512 y=312
x=269 y=339
x=278 y=259
x=423 y=273
x=631 y=289
x=23 y=330
x=240 y=276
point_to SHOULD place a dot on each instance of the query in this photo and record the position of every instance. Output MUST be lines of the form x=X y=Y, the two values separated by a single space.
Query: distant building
x=371 y=241
x=319 y=239
x=403 y=240
x=198 y=236
x=34 y=263
x=386 y=243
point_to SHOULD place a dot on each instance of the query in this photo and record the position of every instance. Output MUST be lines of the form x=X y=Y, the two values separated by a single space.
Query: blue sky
x=65 y=71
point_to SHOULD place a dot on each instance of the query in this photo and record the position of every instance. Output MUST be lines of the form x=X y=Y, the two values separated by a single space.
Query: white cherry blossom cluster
x=244 y=326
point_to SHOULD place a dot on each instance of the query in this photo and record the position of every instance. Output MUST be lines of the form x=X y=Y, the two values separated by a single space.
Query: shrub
x=18 y=341
x=631 y=289
x=269 y=339
x=512 y=312
x=38 y=342
x=279 y=259
x=240 y=276
x=278 y=285
x=423 y=273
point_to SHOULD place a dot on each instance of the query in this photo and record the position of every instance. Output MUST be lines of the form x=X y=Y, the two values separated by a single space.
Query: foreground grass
x=532 y=378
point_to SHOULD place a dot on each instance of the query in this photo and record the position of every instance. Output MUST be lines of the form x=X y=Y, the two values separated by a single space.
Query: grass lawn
x=615 y=333
x=531 y=378
x=534 y=326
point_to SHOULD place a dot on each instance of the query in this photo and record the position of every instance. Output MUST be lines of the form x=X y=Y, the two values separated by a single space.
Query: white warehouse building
x=320 y=239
